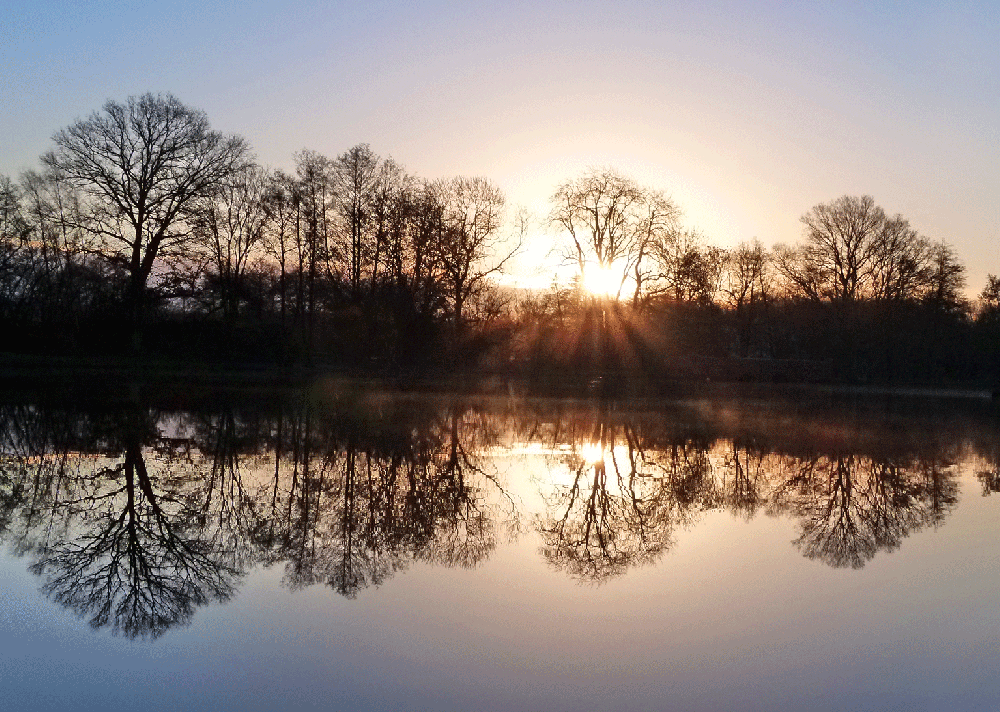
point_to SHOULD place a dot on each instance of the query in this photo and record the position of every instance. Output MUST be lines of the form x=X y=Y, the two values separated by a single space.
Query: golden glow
x=592 y=453
x=602 y=281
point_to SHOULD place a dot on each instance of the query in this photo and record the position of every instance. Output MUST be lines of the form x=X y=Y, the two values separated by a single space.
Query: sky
x=746 y=113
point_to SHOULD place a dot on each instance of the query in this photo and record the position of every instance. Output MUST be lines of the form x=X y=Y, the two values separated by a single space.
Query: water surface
x=347 y=547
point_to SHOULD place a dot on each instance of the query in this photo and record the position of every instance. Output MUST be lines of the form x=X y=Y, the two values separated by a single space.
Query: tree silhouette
x=853 y=507
x=369 y=492
x=613 y=225
x=142 y=165
x=134 y=517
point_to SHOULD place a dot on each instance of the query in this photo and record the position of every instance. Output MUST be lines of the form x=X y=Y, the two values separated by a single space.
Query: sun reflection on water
x=592 y=453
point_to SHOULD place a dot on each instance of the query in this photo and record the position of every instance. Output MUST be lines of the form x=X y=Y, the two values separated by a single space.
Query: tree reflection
x=600 y=524
x=988 y=473
x=605 y=515
x=850 y=507
x=134 y=517
x=744 y=479
x=376 y=486
x=111 y=538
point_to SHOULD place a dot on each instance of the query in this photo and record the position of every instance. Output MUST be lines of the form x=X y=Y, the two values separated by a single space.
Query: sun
x=601 y=281
x=592 y=453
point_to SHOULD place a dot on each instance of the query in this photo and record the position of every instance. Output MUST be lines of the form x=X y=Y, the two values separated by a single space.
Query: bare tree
x=373 y=206
x=54 y=210
x=314 y=221
x=900 y=262
x=390 y=213
x=945 y=280
x=472 y=220
x=421 y=258
x=354 y=174
x=988 y=304
x=14 y=228
x=842 y=241
x=746 y=275
x=686 y=269
x=747 y=288
x=17 y=271
x=229 y=227
x=142 y=164
x=853 y=251
x=611 y=223
x=283 y=205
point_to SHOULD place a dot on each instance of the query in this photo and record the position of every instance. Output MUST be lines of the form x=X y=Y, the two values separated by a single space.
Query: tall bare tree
x=354 y=175
x=853 y=251
x=611 y=222
x=312 y=234
x=17 y=272
x=142 y=164
x=685 y=268
x=14 y=227
x=746 y=275
x=473 y=212
x=946 y=279
x=54 y=210
x=230 y=227
x=283 y=206
x=989 y=298
x=747 y=287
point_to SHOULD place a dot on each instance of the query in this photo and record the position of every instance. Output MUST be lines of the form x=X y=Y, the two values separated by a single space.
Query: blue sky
x=747 y=113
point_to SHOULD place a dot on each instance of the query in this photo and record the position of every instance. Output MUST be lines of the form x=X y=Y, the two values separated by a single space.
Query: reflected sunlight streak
x=592 y=453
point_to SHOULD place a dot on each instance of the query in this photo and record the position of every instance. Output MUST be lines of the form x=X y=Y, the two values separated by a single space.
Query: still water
x=346 y=547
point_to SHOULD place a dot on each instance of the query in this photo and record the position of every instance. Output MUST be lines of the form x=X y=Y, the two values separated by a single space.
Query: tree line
x=145 y=230
x=146 y=225
x=864 y=296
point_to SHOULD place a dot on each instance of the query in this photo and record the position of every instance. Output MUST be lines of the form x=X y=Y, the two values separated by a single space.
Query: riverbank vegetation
x=145 y=232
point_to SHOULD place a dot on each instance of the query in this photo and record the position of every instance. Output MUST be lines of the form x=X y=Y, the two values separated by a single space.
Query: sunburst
x=602 y=281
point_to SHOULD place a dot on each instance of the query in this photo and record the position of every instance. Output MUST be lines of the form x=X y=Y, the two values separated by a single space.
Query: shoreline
x=30 y=370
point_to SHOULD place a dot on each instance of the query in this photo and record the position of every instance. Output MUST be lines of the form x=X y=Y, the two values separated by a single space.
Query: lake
x=348 y=546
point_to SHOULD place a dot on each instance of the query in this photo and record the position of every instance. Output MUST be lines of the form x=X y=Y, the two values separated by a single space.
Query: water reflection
x=358 y=493
x=135 y=519
x=613 y=512
x=108 y=512
x=658 y=473
x=134 y=514
x=988 y=471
